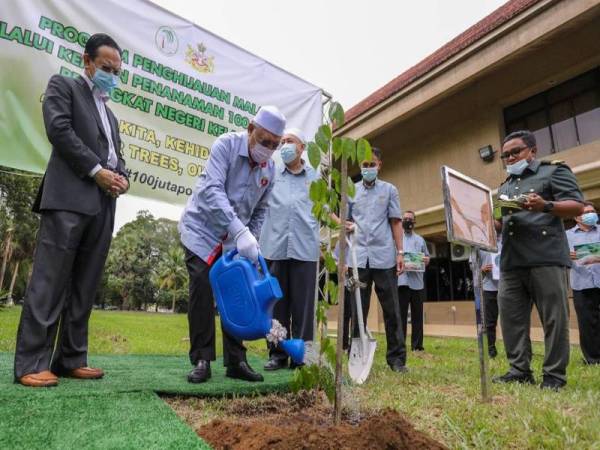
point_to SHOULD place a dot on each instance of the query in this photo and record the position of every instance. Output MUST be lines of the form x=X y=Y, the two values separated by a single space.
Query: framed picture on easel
x=469 y=211
x=470 y=222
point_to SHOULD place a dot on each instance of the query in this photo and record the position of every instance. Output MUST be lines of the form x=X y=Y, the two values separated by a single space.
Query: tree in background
x=172 y=279
x=18 y=228
x=145 y=266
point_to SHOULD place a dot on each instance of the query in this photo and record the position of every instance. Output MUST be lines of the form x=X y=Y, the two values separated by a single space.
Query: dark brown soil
x=303 y=421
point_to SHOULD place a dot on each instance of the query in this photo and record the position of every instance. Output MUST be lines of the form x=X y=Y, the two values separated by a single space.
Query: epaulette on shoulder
x=554 y=162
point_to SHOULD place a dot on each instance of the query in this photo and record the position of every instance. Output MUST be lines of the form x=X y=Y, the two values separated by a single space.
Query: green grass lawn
x=440 y=394
x=123 y=332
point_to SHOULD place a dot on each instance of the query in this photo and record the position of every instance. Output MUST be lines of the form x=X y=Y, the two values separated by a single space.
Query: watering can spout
x=295 y=349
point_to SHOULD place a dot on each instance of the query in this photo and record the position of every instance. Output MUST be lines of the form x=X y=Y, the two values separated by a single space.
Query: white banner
x=181 y=87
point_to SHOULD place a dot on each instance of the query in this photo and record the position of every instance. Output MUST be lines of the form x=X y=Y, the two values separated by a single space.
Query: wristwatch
x=400 y=252
x=548 y=206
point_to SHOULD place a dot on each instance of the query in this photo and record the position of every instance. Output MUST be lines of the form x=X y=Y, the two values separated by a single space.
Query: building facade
x=532 y=64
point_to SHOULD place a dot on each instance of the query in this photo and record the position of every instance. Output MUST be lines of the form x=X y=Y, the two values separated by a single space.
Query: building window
x=563 y=117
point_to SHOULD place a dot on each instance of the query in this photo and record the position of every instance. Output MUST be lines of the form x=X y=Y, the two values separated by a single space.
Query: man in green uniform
x=535 y=258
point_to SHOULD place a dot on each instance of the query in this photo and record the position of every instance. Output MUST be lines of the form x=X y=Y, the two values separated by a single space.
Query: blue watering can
x=245 y=300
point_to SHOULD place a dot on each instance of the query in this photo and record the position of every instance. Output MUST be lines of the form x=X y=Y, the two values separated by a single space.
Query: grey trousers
x=519 y=290
x=67 y=267
x=296 y=310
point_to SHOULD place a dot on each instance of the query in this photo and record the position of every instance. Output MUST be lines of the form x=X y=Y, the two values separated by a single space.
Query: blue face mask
x=105 y=81
x=288 y=153
x=590 y=219
x=369 y=174
x=517 y=168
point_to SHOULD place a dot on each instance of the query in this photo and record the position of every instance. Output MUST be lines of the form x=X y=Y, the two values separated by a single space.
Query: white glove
x=246 y=245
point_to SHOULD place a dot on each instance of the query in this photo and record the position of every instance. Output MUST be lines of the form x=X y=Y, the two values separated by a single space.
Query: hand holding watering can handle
x=261 y=260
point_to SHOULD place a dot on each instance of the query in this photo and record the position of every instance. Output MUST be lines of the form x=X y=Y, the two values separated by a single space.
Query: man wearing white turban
x=226 y=210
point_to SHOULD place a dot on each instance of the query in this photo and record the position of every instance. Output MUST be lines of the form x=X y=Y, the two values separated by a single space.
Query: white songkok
x=295 y=132
x=271 y=119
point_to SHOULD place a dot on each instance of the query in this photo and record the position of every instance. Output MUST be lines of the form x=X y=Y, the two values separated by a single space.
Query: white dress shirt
x=100 y=99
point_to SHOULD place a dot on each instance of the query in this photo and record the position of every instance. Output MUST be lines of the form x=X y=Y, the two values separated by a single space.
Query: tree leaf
x=316 y=209
x=363 y=150
x=330 y=263
x=336 y=114
x=335 y=174
x=351 y=188
x=334 y=201
x=333 y=290
x=322 y=140
x=318 y=191
x=349 y=149
x=314 y=154
x=326 y=131
x=337 y=147
x=313 y=191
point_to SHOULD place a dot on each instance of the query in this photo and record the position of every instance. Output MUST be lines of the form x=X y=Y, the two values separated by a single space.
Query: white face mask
x=260 y=153
x=288 y=153
x=517 y=168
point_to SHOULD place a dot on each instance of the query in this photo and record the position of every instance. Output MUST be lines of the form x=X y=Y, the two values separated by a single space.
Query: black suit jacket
x=79 y=142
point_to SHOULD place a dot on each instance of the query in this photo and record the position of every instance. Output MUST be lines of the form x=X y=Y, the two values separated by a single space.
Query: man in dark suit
x=76 y=200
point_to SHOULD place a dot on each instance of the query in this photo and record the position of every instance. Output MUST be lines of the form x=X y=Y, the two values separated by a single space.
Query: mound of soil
x=304 y=421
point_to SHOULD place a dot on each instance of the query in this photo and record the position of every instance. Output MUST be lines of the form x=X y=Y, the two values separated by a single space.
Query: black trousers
x=296 y=310
x=67 y=268
x=385 y=281
x=201 y=318
x=490 y=299
x=587 y=307
x=413 y=298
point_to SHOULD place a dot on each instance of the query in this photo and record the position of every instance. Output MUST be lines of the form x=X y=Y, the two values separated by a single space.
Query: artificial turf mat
x=147 y=373
x=120 y=411
x=139 y=420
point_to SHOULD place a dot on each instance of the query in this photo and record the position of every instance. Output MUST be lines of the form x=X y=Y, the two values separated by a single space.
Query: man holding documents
x=535 y=258
x=585 y=281
x=411 y=290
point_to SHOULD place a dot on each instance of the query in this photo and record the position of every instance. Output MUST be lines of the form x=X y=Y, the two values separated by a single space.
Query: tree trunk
x=12 y=283
x=173 y=305
x=337 y=406
x=5 y=258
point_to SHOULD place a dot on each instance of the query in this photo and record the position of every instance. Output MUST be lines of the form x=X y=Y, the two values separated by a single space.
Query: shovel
x=362 y=349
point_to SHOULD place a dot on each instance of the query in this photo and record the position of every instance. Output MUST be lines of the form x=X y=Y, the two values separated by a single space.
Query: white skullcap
x=271 y=119
x=295 y=132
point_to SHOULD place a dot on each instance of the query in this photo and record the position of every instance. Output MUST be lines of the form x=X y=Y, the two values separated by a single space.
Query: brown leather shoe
x=85 y=373
x=40 y=379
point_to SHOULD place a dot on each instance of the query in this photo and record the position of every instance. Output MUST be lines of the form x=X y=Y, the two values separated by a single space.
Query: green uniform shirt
x=531 y=239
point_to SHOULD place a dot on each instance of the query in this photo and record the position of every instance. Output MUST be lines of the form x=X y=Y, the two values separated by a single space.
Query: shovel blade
x=361 y=359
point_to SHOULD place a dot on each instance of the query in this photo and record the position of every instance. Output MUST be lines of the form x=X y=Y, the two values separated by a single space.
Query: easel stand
x=482 y=338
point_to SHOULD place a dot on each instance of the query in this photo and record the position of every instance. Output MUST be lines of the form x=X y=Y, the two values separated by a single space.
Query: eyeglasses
x=271 y=145
x=106 y=68
x=514 y=152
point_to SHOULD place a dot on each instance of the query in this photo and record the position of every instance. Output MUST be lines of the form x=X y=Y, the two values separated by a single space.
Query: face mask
x=105 y=81
x=408 y=225
x=589 y=219
x=517 y=168
x=288 y=153
x=260 y=153
x=369 y=174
